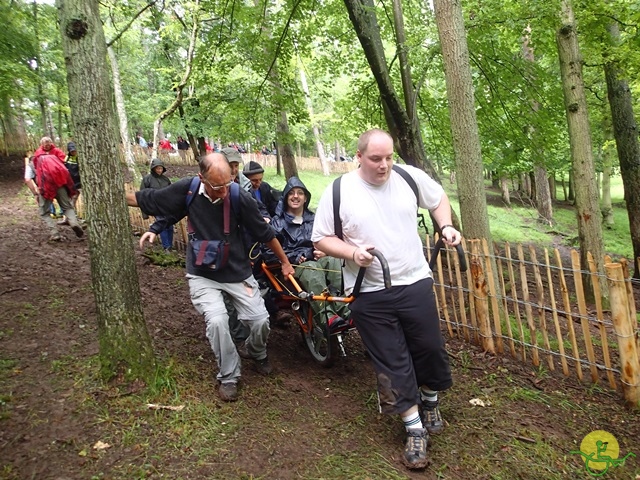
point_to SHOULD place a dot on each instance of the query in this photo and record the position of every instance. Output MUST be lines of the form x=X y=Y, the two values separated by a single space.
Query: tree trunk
x=504 y=187
x=605 y=205
x=462 y=114
x=284 y=146
x=404 y=130
x=553 y=188
x=125 y=345
x=42 y=100
x=625 y=131
x=183 y=81
x=314 y=125
x=582 y=164
x=543 y=195
x=136 y=177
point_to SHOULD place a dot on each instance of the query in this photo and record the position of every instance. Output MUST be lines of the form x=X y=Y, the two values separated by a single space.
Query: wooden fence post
x=480 y=298
x=625 y=329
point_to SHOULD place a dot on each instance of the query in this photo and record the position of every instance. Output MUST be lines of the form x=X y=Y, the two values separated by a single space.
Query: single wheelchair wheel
x=323 y=348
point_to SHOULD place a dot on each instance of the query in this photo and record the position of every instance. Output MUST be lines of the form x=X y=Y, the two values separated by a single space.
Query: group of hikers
x=50 y=175
x=228 y=210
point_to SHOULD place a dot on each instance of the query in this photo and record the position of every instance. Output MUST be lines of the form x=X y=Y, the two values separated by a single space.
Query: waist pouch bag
x=211 y=253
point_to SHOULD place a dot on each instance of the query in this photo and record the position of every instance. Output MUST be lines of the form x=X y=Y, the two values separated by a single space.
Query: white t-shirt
x=383 y=216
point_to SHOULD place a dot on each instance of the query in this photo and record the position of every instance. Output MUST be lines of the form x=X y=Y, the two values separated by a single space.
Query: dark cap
x=252 y=168
x=71 y=147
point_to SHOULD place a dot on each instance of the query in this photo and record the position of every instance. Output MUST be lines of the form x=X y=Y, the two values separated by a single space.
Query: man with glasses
x=206 y=285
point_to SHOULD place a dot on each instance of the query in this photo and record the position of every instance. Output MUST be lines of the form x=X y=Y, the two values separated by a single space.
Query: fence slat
x=480 y=298
x=568 y=317
x=625 y=331
x=443 y=296
x=554 y=312
x=505 y=306
x=461 y=302
x=493 y=294
x=582 y=310
x=595 y=280
x=472 y=303
x=541 y=314
x=514 y=295
x=527 y=307
x=452 y=295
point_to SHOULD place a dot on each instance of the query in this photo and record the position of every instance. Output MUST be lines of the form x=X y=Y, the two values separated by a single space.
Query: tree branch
x=135 y=17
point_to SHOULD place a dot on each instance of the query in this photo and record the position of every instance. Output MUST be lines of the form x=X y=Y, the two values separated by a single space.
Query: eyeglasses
x=216 y=188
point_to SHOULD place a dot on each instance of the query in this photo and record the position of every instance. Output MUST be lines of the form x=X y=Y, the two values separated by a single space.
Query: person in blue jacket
x=315 y=271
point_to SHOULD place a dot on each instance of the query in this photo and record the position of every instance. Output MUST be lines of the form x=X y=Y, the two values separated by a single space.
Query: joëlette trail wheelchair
x=326 y=342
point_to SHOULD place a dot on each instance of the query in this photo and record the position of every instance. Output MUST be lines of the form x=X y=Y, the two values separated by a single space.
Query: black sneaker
x=77 y=229
x=228 y=392
x=432 y=418
x=415 y=448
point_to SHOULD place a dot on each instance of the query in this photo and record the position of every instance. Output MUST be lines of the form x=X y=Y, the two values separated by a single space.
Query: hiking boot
x=415 y=448
x=263 y=366
x=243 y=352
x=64 y=221
x=77 y=229
x=432 y=418
x=55 y=237
x=228 y=392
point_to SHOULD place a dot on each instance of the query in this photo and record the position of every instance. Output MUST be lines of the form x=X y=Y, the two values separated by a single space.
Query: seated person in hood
x=315 y=271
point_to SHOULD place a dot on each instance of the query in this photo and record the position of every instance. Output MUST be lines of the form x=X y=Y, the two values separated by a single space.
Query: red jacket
x=53 y=151
x=52 y=174
x=165 y=145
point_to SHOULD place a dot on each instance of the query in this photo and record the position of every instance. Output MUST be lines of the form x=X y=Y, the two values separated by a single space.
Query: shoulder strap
x=193 y=189
x=409 y=179
x=337 y=221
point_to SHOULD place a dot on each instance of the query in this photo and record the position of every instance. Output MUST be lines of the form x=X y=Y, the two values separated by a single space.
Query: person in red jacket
x=53 y=181
x=47 y=147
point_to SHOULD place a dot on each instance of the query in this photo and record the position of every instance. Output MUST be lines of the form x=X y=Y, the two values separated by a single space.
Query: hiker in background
x=235 y=159
x=207 y=205
x=183 y=147
x=71 y=162
x=399 y=326
x=48 y=178
x=157 y=179
x=261 y=190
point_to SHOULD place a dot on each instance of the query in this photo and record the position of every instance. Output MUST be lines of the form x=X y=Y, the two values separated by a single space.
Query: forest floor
x=59 y=421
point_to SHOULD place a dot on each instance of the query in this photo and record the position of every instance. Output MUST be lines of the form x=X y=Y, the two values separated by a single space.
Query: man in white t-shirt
x=399 y=326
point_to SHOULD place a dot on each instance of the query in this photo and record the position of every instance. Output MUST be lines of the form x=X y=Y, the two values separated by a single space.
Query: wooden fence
x=543 y=317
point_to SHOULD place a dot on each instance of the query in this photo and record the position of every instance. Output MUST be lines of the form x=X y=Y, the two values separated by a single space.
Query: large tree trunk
x=625 y=131
x=125 y=345
x=404 y=130
x=462 y=114
x=136 y=177
x=582 y=164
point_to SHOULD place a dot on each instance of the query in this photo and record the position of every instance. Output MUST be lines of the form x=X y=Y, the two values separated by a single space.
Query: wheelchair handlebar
x=439 y=246
x=385 y=272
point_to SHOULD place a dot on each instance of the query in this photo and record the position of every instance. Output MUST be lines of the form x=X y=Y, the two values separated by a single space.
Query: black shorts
x=400 y=327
